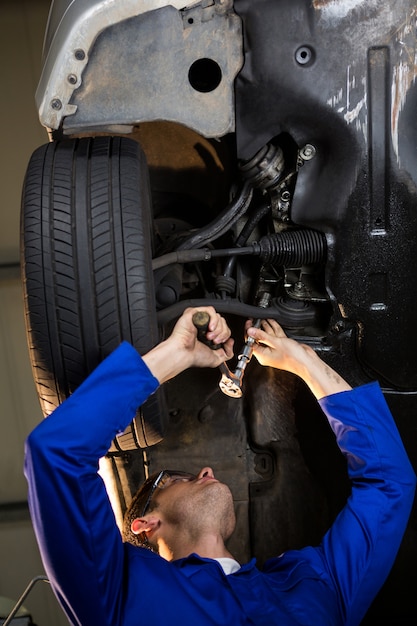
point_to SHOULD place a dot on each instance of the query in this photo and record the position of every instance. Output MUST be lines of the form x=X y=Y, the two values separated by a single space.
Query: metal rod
x=23 y=597
x=229 y=384
x=246 y=354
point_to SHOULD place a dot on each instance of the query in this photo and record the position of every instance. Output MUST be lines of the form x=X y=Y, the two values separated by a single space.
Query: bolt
x=303 y=55
x=79 y=55
x=127 y=459
x=56 y=104
x=175 y=415
x=339 y=326
x=308 y=152
x=72 y=79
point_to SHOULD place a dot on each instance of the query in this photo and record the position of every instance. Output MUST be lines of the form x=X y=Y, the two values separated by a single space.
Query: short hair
x=135 y=510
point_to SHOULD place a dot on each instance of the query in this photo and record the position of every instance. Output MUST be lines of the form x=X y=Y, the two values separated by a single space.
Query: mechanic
x=102 y=581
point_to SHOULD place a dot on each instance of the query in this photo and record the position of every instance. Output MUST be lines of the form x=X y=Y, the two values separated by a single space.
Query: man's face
x=202 y=505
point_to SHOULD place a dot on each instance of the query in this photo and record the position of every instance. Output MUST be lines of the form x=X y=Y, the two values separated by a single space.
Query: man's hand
x=185 y=336
x=183 y=350
x=275 y=349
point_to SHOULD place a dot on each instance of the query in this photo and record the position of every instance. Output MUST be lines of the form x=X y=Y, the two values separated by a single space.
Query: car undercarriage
x=257 y=156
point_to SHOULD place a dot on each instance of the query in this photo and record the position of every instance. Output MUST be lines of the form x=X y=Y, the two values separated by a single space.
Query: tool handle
x=229 y=384
x=201 y=321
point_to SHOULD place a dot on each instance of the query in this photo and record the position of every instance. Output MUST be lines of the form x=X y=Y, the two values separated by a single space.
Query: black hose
x=235 y=307
x=199 y=254
x=245 y=234
x=290 y=248
x=222 y=223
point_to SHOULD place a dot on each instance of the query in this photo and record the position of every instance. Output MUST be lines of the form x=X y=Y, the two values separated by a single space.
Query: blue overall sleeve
x=360 y=547
x=72 y=516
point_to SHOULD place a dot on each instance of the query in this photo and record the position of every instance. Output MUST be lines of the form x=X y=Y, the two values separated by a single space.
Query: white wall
x=19 y=406
x=22 y=25
x=19 y=413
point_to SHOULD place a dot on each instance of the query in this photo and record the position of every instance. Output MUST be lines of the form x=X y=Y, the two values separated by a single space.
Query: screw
x=79 y=55
x=72 y=79
x=56 y=104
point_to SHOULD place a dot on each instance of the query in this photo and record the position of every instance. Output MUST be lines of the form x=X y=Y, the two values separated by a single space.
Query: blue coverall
x=100 y=581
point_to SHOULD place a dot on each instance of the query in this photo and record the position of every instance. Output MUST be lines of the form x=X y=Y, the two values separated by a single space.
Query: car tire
x=86 y=263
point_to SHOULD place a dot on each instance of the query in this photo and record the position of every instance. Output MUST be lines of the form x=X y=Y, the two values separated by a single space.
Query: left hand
x=275 y=349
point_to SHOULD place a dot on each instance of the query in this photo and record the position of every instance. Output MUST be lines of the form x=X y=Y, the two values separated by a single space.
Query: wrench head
x=230 y=387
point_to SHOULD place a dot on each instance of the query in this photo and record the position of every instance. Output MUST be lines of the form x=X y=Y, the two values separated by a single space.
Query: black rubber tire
x=86 y=262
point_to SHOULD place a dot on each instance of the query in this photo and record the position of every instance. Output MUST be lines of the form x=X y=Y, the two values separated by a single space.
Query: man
x=194 y=580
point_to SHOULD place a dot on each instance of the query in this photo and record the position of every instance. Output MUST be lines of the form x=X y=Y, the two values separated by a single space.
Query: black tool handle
x=201 y=321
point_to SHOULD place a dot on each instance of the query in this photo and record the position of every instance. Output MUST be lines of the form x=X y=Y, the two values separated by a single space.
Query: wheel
x=86 y=262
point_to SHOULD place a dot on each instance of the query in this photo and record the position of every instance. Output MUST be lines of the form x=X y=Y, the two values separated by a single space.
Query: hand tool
x=230 y=382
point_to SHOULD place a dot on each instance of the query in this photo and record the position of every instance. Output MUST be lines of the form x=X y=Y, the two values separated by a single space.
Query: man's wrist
x=318 y=376
x=166 y=360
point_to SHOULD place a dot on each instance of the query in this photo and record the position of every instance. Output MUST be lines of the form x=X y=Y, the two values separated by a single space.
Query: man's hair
x=135 y=510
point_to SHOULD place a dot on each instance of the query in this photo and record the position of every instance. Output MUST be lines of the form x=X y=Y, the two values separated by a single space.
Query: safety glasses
x=164 y=479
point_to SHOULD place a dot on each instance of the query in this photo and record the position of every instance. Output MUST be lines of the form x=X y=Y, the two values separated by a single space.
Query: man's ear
x=144 y=525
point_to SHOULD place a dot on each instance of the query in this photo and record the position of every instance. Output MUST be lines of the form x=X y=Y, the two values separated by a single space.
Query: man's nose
x=206 y=471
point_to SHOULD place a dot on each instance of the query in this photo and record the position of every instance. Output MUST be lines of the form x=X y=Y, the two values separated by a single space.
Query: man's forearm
x=319 y=377
x=275 y=349
x=165 y=362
